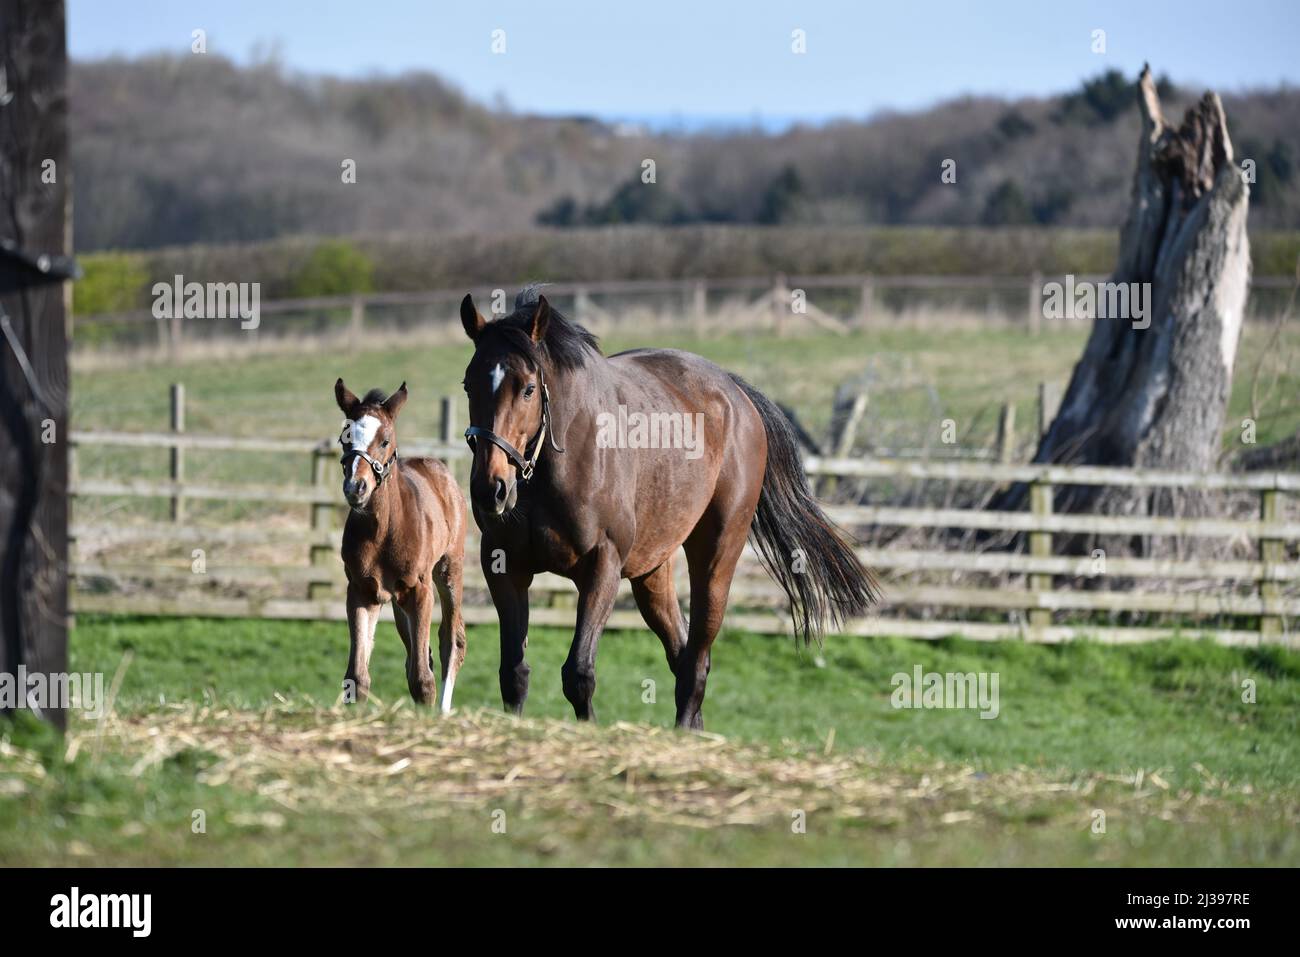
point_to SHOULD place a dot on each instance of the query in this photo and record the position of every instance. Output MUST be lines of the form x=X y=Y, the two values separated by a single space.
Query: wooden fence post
x=447 y=424
x=700 y=299
x=581 y=304
x=1040 y=546
x=447 y=420
x=780 y=304
x=866 y=295
x=1270 y=553
x=322 y=520
x=1035 y=313
x=356 y=321
x=1007 y=433
x=176 y=338
x=841 y=443
x=178 y=453
x=1049 y=400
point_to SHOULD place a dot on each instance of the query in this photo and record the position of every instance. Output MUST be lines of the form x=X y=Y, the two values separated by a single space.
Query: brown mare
x=557 y=486
x=404 y=538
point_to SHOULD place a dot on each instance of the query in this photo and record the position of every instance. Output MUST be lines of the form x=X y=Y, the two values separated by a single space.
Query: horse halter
x=380 y=469
x=525 y=462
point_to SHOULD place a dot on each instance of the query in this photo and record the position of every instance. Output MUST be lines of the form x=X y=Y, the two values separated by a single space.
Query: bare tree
x=1151 y=390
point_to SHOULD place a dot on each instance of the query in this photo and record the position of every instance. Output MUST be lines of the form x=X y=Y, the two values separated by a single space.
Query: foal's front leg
x=417 y=604
x=597 y=589
x=362 y=619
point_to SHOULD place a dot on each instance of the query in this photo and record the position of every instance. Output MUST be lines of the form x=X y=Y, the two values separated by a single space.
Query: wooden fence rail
x=1254 y=589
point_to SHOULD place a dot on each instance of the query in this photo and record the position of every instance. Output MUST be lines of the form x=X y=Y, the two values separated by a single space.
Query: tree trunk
x=34 y=198
x=1151 y=390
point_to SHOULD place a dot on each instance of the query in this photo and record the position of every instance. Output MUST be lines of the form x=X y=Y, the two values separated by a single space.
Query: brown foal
x=404 y=538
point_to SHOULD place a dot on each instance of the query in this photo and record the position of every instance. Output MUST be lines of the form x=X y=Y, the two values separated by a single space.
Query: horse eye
x=384 y=445
x=529 y=390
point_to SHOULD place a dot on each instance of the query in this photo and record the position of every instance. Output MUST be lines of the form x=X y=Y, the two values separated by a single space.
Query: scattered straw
x=367 y=761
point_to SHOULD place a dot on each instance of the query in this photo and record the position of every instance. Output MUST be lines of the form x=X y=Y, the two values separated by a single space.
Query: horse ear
x=393 y=404
x=345 y=398
x=470 y=318
x=541 y=316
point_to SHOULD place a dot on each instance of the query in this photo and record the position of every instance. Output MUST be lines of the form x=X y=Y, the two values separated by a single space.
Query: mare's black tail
x=798 y=545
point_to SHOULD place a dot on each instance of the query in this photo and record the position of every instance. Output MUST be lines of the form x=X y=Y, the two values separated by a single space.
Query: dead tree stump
x=1151 y=388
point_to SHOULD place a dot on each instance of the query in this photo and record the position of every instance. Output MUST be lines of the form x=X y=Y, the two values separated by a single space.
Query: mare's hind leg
x=447 y=576
x=656 y=597
x=712 y=550
x=414 y=613
x=362 y=618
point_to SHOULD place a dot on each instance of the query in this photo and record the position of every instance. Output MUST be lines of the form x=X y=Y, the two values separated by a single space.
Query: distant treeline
x=302 y=267
x=189 y=149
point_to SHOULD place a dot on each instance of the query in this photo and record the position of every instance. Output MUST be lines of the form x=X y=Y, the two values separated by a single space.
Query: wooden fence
x=1246 y=600
x=858 y=301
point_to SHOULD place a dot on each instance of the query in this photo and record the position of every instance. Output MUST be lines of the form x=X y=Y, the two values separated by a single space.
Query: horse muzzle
x=357 y=492
x=496 y=495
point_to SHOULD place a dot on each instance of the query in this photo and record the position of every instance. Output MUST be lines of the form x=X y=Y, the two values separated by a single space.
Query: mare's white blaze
x=498 y=376
x=446 y=693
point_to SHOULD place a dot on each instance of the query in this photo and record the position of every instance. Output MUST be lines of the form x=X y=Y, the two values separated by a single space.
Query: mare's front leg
x=597 y=584
x=363 y=615
x=417 y=604
x=509 y=590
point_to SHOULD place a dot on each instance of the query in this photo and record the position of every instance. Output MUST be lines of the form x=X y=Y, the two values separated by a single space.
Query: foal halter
x=380 y=469
x=525 y=462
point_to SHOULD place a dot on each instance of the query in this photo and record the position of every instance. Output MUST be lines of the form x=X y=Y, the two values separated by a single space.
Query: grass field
x=920 y=376
x=235 y=719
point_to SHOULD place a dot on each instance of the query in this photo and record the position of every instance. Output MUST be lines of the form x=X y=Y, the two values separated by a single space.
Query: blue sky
x=722 y=59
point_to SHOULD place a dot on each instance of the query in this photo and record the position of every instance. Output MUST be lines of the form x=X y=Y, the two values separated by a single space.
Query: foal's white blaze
x=362 y=432
x=498 y=376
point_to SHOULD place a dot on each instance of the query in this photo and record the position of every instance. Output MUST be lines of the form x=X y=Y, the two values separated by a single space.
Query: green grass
x=920 y=376
x=1087 y=716
x=293 y=395
x=1079 y=707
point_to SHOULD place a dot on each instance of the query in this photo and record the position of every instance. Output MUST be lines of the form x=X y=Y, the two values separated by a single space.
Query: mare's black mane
x=566 y=345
